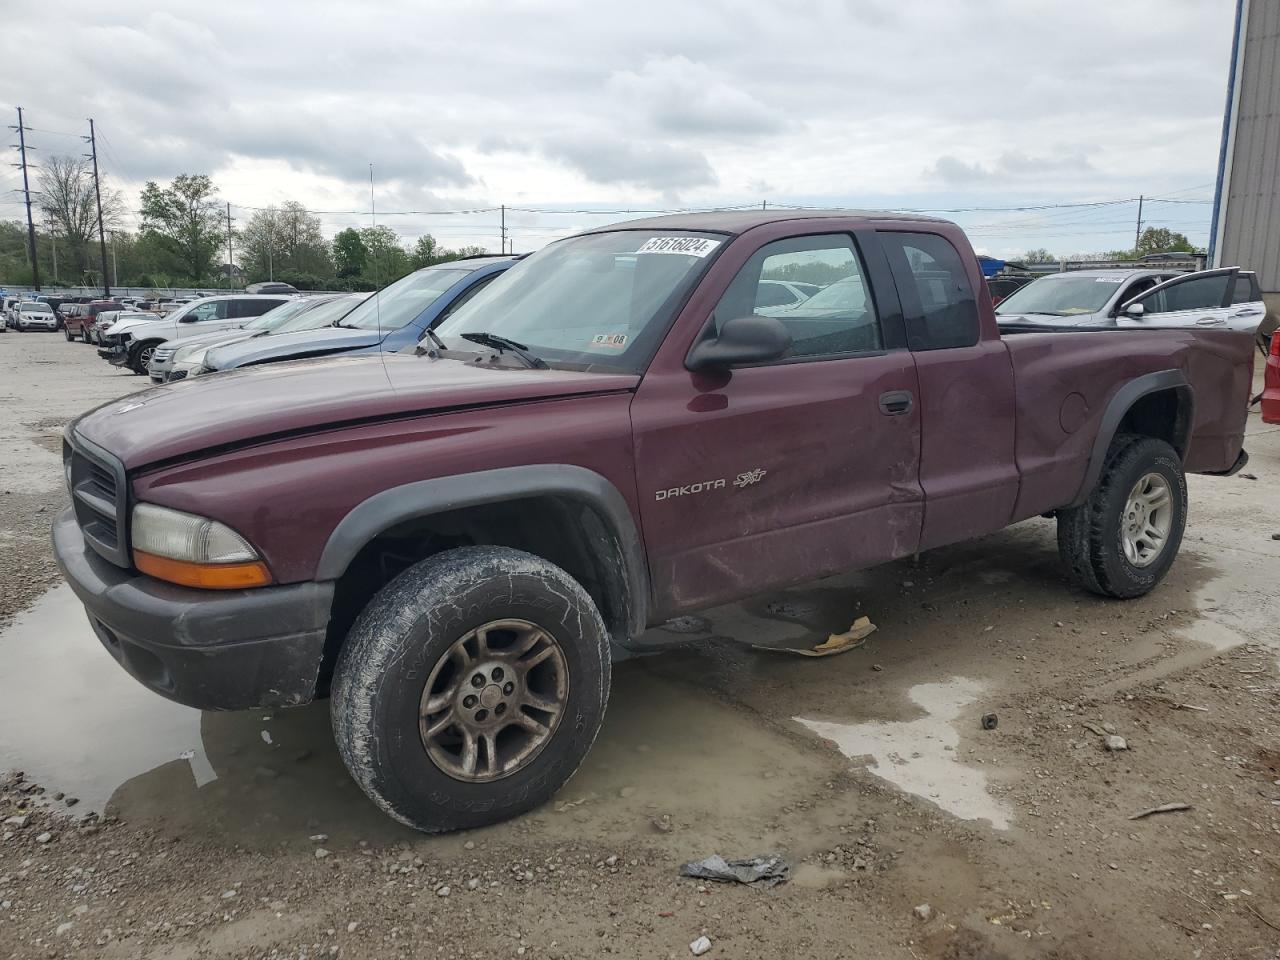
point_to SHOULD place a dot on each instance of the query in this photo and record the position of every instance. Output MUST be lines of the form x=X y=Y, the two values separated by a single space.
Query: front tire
x=141 y=357
x=66 y=335
x=1124 y=538
x=470 y=688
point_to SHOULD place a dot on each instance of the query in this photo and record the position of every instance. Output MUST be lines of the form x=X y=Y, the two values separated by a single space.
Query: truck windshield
x=401 y=302
x=601 y=299
x=1063 y=295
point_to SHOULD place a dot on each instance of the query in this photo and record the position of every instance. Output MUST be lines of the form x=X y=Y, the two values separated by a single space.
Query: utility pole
x=115 y=264
x=504 y=227
x=26 y=191
x=1137 y=236
x=97 y=192
x=230 y=260
x=53 y=239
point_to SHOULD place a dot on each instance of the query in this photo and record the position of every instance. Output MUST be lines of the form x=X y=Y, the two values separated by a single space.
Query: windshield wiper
x=503 y=344
x=435 y=339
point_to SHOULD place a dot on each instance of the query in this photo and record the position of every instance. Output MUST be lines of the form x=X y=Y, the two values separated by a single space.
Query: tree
x=185 y=218
x=1162 y=240
x=1039 y=255
x=349 y=253
x=285 y=238
x=70 y=205
x=425 y=252
x=387 y=259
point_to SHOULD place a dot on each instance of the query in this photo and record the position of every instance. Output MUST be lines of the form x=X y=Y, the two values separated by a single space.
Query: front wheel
x=470 y=688
x=142 y=357
x=66 y=335
x=1123 y=539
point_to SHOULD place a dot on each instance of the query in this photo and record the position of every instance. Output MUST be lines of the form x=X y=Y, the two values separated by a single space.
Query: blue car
x=396 y=317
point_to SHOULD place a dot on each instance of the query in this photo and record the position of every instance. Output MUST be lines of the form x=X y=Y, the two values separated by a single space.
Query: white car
x=34 y=315
x=1227 y=297
x=131 y=344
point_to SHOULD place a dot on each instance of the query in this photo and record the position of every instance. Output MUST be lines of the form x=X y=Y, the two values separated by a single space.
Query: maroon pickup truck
x=618 y=430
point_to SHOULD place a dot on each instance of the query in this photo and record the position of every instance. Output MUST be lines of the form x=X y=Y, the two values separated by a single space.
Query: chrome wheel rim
x=144 y=357
x=1146 y=520
x=493 y=701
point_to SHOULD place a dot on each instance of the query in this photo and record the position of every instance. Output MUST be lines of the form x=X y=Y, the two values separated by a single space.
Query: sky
x=575 y=114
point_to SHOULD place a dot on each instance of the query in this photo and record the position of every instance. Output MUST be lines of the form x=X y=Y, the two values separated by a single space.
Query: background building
x=1246 y=208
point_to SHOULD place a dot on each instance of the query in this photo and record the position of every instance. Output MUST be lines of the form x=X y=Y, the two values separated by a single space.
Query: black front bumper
x=115 y=353
x=210 y=649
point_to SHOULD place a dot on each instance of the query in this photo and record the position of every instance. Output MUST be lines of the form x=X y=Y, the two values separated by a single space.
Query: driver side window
x=839 y=318
x=1194 y=293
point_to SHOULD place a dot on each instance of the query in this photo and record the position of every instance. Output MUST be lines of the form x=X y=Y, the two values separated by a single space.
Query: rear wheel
x=1123 y=539
x=66 y=335
x=470 y=688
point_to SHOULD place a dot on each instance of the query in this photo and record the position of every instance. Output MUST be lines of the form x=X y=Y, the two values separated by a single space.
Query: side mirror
x=752 y=339
x=1134 y=309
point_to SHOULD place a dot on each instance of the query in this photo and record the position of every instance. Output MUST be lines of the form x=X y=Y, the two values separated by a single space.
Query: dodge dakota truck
x=450 y=542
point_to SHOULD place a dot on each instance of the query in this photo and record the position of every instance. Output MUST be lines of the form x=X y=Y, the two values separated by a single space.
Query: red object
x=78 y=324
x=1271 y=383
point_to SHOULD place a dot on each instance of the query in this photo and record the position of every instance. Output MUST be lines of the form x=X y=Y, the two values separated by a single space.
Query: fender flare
x=1119 y=405
x=379 y=513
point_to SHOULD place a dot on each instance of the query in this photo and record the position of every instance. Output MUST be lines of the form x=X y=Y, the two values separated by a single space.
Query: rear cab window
x=938 y=301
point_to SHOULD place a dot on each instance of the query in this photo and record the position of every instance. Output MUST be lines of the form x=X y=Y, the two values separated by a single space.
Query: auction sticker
x=688 y=246
x=610 y=341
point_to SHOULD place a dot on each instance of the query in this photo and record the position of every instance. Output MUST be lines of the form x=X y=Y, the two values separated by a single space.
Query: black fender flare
x=627 y=572
x=1120 y=404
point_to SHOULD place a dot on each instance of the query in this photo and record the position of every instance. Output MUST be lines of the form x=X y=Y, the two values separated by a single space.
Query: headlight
x=193 y=551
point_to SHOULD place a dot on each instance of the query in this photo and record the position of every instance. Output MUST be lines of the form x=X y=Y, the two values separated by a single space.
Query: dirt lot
x=240 y=835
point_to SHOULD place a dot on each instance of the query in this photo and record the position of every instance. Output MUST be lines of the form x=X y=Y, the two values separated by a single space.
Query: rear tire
x=66 y=335
x=434 y=688
x=1124 y=538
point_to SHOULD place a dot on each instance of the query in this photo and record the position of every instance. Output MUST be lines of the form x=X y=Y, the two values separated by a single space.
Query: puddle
x=76 y=723
x=918 y=756
x=70 y=716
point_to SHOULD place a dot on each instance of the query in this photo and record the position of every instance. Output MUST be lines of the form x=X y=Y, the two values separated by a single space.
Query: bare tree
x=67 y=199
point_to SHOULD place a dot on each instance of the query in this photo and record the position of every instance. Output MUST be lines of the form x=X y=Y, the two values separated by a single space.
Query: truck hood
x=292 y=346
x=216 y=337
x=181 y=419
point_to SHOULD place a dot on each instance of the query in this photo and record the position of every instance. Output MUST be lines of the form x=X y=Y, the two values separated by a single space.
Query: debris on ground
x=1248 y=476
x=700 y=946
x=1163 y=808
x=990 y=721
x=923 y=912
x=851 y=639
x=1115 y=743
x=763 y=871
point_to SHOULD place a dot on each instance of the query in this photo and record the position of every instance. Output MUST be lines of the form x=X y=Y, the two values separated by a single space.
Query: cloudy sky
x=606 y=106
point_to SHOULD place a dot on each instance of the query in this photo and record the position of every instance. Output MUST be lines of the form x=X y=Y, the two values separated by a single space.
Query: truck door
x=967 y=467
x=784 y=471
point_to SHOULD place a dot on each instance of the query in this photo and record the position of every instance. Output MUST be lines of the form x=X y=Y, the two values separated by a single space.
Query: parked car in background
x=1002 y=286
x=132 y=346
x=109 y=318
x=784 y=293
x=1227 y=297
x=271 y=286
x=1271 y=383
x=34 y=315
x=76 y=326
x=395 y=317
x=176 y=360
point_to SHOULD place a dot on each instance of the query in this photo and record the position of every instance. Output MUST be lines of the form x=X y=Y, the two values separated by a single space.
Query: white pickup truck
x=131 y=343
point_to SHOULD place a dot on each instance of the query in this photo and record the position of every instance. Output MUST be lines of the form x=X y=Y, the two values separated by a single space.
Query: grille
x=99 y=495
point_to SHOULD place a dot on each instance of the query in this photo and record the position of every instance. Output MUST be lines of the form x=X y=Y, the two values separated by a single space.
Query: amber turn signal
x=208 y=576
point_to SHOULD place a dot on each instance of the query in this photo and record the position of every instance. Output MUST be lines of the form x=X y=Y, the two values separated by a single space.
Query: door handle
x=1209 y=321
x=896 y=402
x=1250 y=312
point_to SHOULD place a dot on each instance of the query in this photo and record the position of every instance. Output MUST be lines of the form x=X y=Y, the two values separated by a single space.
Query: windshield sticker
x=1108 y=280
x=610 y=341
x=688 y=246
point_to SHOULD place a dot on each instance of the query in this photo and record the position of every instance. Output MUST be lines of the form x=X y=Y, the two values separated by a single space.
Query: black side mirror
x=753 y=339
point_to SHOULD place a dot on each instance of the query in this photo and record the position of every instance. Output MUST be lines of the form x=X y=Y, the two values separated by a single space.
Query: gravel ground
x=913 y=831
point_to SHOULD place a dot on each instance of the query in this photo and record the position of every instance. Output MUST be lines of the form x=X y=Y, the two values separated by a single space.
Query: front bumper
x=117 y=354
x=209 y=649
